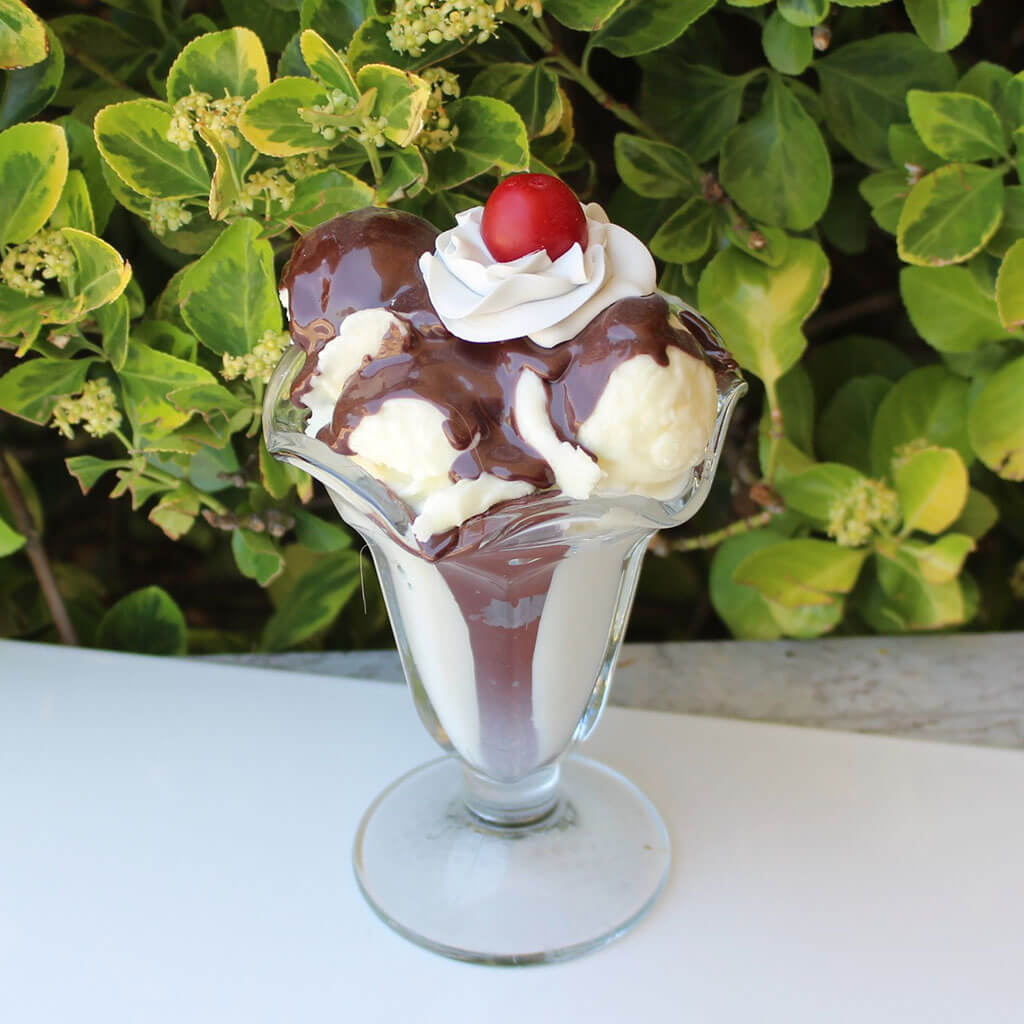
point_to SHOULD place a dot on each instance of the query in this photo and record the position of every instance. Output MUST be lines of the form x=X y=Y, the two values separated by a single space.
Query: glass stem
x=512 y=804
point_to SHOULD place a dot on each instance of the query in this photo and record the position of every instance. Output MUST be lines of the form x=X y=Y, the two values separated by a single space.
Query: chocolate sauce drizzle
x=369 y=259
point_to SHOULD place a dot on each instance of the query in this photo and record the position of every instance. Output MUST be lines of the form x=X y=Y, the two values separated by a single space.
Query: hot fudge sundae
x=520 y=354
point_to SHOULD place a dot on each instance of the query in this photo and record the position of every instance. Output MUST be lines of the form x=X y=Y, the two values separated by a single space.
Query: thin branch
x=829 y=321
x=705 y=541
x=37 y=555
x=571 y=70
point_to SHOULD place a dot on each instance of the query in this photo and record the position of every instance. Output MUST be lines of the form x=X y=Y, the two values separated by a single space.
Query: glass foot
x=553 y=890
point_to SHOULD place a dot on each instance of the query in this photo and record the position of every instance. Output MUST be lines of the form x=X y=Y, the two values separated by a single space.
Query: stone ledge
x=963 y=688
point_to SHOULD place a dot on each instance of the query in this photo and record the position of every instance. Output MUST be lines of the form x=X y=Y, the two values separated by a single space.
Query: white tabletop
x=174 y=847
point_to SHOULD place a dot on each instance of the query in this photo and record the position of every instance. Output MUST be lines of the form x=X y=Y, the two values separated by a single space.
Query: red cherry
x=528 y=212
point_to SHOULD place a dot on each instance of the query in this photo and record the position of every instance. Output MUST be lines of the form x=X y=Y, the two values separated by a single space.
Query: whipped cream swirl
x=549 y=301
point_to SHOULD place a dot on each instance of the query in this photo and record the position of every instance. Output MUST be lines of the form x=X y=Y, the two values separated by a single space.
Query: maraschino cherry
x=528 y=212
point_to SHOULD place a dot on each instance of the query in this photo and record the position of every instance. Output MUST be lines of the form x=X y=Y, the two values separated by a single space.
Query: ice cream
x=471 y=386
x=623 y=402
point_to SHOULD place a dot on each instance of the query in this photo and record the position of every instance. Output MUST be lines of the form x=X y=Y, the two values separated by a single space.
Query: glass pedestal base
x=537 y=893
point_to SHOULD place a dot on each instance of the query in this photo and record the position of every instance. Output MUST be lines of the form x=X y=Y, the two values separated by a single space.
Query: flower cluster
x=200 y=110
x=416 y=23
x=869 y=505
x=271 y=185
x=438 y=131
x=260 y=362
x=95 y=408
x=46 y=254
x=338 y=102
x=297 y=167
x=167 y=215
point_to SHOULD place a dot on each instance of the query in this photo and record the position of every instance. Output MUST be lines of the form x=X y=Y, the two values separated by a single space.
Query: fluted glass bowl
x=506 y=850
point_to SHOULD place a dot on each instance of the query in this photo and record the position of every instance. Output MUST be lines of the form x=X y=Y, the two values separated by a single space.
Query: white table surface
x=174 y=847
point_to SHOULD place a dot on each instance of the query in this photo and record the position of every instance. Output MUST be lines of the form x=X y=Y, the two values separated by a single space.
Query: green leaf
x=899 y=599
x=907 y=147
x=271 y=121
x=31 y=389
x=776 y=165
x=948 y=309
x=148 y=377
x=10 y=539
x=531 y=89
x=74 y=208
x=228 y=63
x=801 y=572
x=927 y=405
x=33 y=166
x=845 y=424
x=1011 y=227
x=323 y=60
x=582 y=15
x=932 y=485
x=228 y=296
x=114 y=321
x=335 y=20
x=145 y=622
x=746 y=612
x=941 y=561
x=314 y=601
x=491 y=136
x=319 y=535
x=942 y=24
x=806 y=13
x=956 y=126
x=22 y=36
x=995 y=421
x=979 y=515
x=28 y=90
x=950 y=214
x=886 y=192
x=772 y=243
x=1012 y=106
x=989 y=82
x=712 y=107
x=788 y=47
x=845 y=221
x=256 y=556
x=132 y=137
x=87 y=469
x=814 y=492
x=1010 y=287
x=864 y=86
x=759 y=309
x=655 y=169
x=101 y=272
x=326 y=194
x=638 y=26
x=85 y=157
x=404 y=177
x=401 y=100
x=686 y=235
x=175 y=513
x=834 y=363
x=221 y=411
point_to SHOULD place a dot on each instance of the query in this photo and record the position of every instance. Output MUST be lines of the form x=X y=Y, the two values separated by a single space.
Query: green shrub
x=801 y=169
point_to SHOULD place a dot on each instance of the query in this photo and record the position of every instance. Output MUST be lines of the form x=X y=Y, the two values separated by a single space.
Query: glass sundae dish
x=506 y=435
